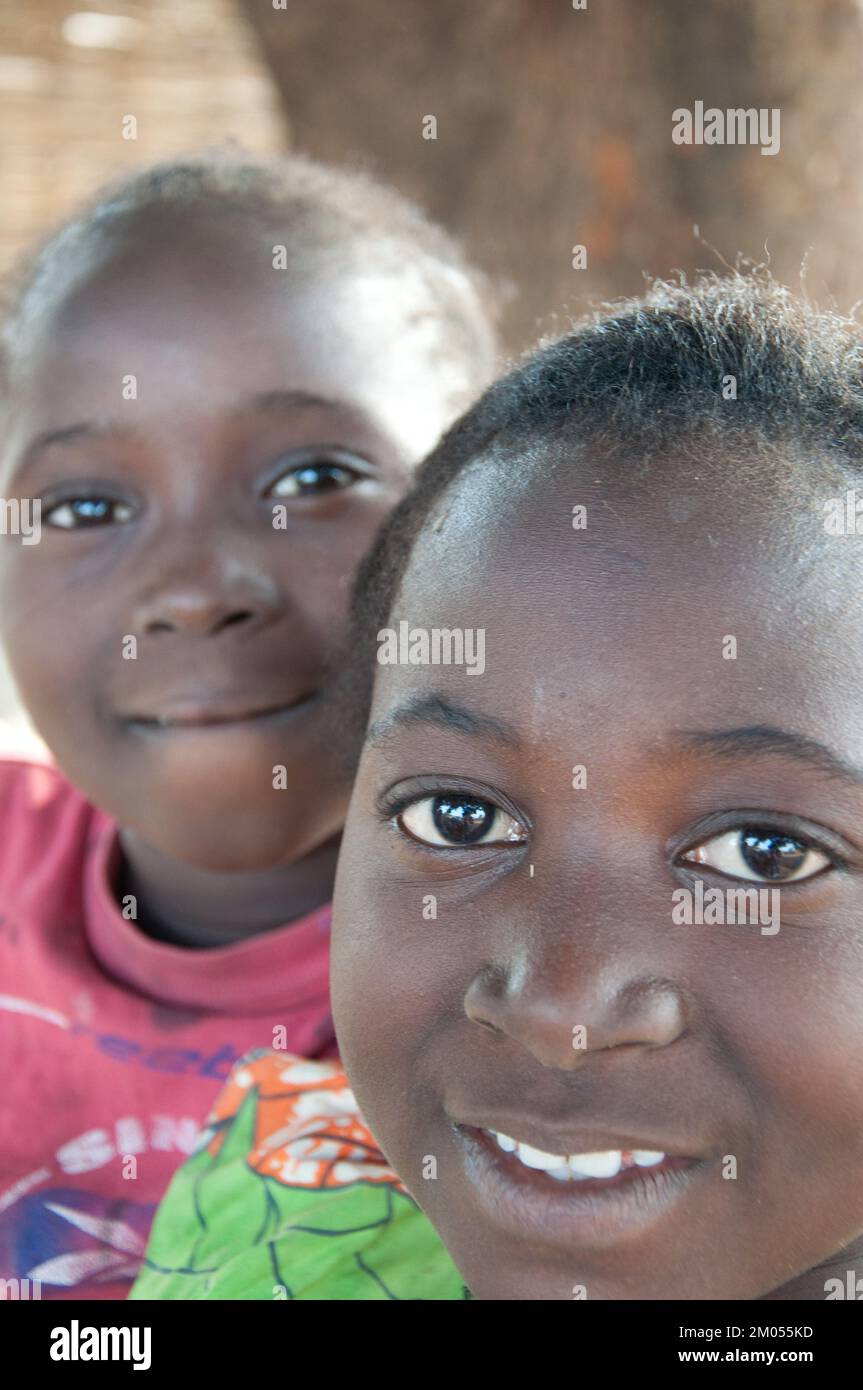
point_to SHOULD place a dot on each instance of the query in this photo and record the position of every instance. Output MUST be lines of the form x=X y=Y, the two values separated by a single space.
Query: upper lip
x=193 y=710
x=583 y=1139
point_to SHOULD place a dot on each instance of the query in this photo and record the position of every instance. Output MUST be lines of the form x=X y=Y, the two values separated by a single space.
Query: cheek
x=45 y=638
x=820 y=1062
x=815 y=1140
x=317 y=575
x=368 y=968
x=354 y=535
x=804 y=1040
x=394 y=962
x=316 y=568
x=387 y=1007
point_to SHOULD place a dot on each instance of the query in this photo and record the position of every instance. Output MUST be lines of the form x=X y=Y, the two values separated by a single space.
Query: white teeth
x=563 y=1165
x=592 y=1165
x=646 y=1158
x=535 y=1158
x=600 y=1165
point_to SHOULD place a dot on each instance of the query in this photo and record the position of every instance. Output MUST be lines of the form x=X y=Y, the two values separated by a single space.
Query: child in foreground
x=582 y=1090
x=215 y=384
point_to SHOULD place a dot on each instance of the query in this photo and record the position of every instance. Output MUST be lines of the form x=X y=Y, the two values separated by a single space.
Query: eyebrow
x=433 y=711
x=279 y=402
x=274 y=402
x=69 y=434
x=87 y=429
x=753 y=739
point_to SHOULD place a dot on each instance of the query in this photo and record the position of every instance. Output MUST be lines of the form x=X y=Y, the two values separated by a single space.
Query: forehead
x=209 y=316
x=688 y=597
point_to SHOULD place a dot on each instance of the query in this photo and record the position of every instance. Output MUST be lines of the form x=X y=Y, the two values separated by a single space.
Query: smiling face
x=214 y=443
x=509 y=955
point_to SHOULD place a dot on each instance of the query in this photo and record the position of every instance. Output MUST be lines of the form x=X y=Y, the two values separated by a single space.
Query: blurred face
x=633 y=1085
x=213 y=443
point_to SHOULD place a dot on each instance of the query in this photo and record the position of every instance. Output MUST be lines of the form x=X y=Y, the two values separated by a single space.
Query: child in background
x=215 y=384
x=590 y=1089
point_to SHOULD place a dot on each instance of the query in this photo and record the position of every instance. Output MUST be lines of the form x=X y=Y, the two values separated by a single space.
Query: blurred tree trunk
x=554 y=130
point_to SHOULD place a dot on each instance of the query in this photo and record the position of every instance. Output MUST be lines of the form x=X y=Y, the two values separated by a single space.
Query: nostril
x=202 y=623
x=243 y=616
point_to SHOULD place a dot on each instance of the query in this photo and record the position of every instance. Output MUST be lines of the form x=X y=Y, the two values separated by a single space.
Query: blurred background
x=552 y=125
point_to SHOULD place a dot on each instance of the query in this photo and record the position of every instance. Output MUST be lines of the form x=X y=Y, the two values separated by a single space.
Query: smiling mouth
x=594 y=1171
x=204 y=714
x=589 y=1197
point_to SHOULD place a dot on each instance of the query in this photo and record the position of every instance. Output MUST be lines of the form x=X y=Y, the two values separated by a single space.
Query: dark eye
x=314 y=478
x=457 y=819
x=79 y=512
x=760 y=854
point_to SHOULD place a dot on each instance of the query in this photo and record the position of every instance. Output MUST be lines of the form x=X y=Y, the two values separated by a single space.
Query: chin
x=230 y=839
x=237 y=852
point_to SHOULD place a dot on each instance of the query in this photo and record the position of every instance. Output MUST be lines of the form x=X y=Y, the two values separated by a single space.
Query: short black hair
x=736 y=359
x=330 y=217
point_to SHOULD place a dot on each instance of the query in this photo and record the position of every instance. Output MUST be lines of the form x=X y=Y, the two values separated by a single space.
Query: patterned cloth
x=288 y=1196
x=114 y=1046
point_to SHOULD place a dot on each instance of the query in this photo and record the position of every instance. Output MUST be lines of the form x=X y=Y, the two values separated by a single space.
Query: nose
x=202 y=592
x=565 y=1003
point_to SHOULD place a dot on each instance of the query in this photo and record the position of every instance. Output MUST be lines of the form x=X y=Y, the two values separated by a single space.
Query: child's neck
x=197 y=908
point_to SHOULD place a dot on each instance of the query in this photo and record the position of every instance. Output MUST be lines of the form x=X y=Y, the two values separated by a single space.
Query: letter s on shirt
x=88 y=1151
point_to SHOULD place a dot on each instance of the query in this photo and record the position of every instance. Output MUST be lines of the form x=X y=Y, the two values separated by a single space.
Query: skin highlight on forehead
x=385 y=322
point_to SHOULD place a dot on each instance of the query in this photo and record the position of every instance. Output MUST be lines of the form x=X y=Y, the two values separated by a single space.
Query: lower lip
x=588 y=1212
x=204 y=722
